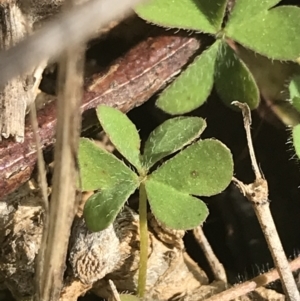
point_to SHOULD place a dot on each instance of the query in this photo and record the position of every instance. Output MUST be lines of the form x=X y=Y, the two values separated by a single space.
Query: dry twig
x=116 y=296
x=257 y=194
x=216 y=266
x=14 y=94
x=249 y=286
x=63 y=204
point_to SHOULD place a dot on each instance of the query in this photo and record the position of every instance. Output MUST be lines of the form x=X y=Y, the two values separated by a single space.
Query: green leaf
x=294 y=89
x=101 y=170
x=191 y=89
x=170 y=137
x=204 y=168
x=245 y=9
x=101 y=208
x=296 y=139
x=200 y=15
x=122 y=133
x=273 y=33
x=173 y=208
x=294 y=86
x=233 y=80
x=296 y=103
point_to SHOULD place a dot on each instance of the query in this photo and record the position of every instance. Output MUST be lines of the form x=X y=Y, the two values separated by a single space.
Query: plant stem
x=143 y=242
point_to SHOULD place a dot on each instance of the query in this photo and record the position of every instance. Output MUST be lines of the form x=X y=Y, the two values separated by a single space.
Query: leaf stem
x=143 y=241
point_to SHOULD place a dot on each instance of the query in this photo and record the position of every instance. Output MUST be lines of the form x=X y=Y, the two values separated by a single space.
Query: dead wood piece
x=20 y=236
x=40 y=10
x=64 y=202
x=16 y=93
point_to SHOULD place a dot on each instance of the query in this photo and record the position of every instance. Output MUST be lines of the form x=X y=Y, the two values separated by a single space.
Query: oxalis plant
x=243 y=30
x=200 y=168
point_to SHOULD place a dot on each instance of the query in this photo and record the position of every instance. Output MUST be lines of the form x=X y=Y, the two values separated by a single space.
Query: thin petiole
x=143 y=242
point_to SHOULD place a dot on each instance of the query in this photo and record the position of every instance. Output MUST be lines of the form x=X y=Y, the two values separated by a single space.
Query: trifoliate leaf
x=173 y=208
x=296 y=139
x=233 y=80
x=122 y=133
x=204 y=169
x=101 y=208
x=202 y=15
x=170 y=137
x=101 y=170
x=294 y=89
x=273 y=33
x=191 y=89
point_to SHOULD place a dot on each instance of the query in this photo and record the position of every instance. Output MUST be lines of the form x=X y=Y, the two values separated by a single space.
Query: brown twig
x=63 y=205
x=249 y=286
x=116 y=296
x=136 y=77
x=257 y=194
x=14 y=94
x=44 y=189
x=216 y=266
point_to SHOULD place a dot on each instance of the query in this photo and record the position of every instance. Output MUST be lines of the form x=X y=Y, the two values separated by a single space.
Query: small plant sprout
x=259 y=26
x=200 y=168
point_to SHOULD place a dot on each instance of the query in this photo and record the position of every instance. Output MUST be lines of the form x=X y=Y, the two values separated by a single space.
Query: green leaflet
x=191 y=89
x=273 y=33
x=233 y=80
x=201 y=15
x=203 y=169
x=122 y=133
x=100 y=169
x=173 y=208
x=171 y=136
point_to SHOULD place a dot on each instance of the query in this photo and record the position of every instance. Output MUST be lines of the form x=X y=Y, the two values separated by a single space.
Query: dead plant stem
x=257 y=194
x=115 y=294
x=249 y=286
x=216 y=266
x=63 y=203
x=44 y=187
